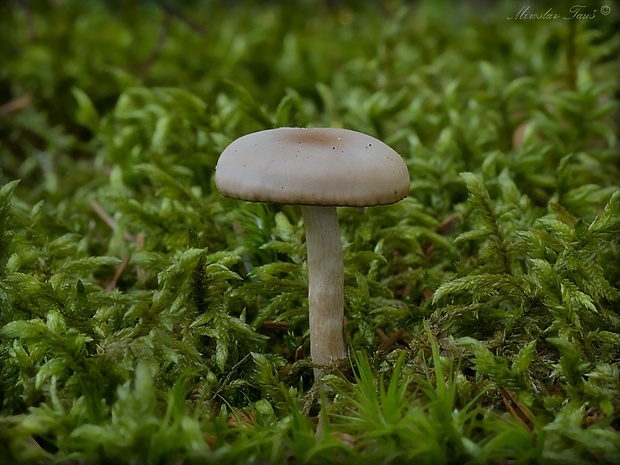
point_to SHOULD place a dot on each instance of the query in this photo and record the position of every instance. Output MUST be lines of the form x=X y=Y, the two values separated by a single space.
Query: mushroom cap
x=316 y=166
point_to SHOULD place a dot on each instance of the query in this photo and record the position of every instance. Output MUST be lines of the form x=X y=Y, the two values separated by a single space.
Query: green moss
x=144 y=318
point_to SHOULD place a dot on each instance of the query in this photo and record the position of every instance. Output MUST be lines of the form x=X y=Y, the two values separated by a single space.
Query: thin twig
x=137 y=240
x=277 y=325
x=110 y=286
x=159 y=45
x=518 y=410
x=107 y=219
x=170 y=10
x=16 y=104
x=229 y=376
x=169 y=13
x=388 y=341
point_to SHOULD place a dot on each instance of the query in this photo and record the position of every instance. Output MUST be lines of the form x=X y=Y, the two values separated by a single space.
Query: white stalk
x=325 y=285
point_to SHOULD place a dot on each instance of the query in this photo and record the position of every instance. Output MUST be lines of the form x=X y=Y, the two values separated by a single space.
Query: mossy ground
x=145 y=319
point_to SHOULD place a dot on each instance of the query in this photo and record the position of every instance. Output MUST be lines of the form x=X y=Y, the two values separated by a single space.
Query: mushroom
x=318 y=169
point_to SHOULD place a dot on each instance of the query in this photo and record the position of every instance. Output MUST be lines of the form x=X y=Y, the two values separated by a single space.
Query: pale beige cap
x=315 y=166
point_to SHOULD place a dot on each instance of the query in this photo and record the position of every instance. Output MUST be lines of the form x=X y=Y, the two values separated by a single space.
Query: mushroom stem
x=325 y=284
